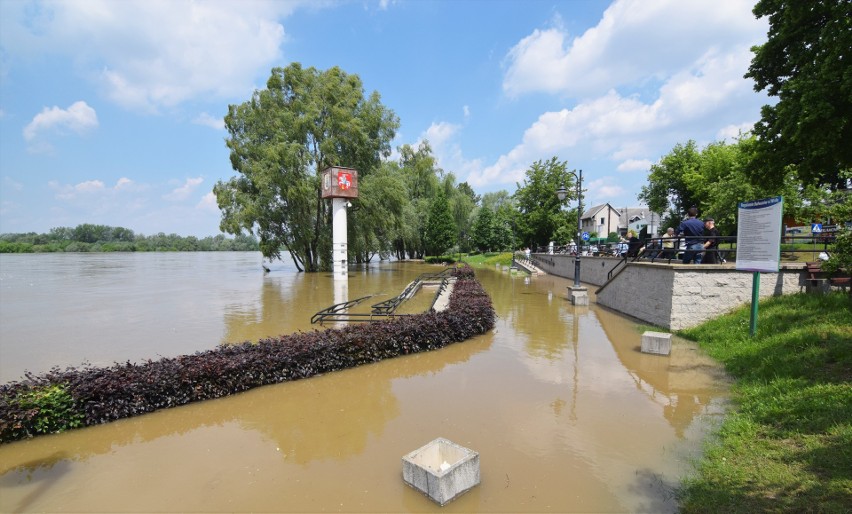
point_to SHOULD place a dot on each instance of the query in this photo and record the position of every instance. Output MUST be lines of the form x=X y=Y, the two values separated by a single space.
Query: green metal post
x=755 y=297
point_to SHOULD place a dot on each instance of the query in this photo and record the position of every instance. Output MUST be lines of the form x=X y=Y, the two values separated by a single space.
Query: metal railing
x=387 y=308
x=653 y=249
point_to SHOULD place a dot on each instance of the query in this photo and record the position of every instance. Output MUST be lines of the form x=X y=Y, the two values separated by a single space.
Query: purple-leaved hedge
x=64 y=399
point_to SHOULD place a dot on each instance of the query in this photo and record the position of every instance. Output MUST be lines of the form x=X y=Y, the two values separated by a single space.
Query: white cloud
x=12 y=184
x=603 y=189
x=185 y=190
x=208 y=203
x=71 y=192
x=79 y=118
x=636 y=42
x=443 y=139
x=150 y=54
x=126 y=185
x=123 y=183
x=635 y=165
x=732 y=132
x=438 y=134
x=651 y=74
x=209 y=121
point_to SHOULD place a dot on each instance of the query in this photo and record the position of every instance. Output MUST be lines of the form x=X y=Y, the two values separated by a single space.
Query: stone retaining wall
x=674 y=296
x=593 y=270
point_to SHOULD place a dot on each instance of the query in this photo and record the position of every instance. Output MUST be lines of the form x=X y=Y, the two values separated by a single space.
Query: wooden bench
x=815 y=273
x=817 y=276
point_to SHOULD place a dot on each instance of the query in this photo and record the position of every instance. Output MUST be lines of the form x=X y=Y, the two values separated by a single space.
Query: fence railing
x=793 y=248
x=386 y=309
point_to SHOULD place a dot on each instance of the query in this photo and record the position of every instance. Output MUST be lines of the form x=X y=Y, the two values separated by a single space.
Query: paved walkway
x=528 y=266
x=443 y=300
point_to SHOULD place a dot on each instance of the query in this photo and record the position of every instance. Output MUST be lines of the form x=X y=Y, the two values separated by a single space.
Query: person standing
x=633 y=244
x=711 y=242
x=668 y=243
x=693 y=229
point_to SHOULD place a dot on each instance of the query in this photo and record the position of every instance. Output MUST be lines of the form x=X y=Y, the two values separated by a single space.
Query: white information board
x=759 y=234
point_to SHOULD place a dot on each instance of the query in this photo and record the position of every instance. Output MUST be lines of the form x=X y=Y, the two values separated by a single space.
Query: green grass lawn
x=786 y=446
x=488 y=259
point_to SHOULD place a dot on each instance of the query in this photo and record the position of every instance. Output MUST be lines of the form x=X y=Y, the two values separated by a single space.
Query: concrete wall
x=674 y=296
x=680 y=296
x=593 y=270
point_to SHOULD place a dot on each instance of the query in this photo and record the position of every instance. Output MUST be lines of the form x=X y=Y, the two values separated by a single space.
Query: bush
x=441 y=259
x=39 y=409
x=90 y=396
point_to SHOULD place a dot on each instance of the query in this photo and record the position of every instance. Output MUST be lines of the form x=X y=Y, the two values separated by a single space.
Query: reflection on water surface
x=566 y=413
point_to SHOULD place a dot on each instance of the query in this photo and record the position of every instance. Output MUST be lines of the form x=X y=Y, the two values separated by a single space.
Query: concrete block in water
x=659 y=343
x=442 y=470
x=579 y=296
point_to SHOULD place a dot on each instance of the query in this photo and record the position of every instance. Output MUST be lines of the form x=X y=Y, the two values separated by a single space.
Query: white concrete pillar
x=339 y=239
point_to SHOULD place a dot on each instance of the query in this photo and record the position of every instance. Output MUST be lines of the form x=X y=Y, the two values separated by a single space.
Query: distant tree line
x=102 y=238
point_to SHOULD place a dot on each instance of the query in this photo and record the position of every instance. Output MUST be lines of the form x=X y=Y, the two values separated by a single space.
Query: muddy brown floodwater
x=566 y=413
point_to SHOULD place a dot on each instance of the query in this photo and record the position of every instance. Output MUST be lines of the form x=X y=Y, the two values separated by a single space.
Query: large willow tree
x=303 y=122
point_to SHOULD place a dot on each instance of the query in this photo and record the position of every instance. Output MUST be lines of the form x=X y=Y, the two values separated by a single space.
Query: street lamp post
x=578 y=293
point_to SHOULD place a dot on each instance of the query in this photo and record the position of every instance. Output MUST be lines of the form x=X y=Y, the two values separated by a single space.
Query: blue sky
x=111 y=111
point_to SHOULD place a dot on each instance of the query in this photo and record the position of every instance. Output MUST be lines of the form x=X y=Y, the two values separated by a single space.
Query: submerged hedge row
x=63 y=399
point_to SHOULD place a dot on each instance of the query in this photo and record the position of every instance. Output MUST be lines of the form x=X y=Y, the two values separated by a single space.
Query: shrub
x=40 y=409
x=63 y=399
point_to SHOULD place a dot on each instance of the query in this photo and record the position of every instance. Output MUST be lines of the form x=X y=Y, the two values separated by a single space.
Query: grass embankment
x=787 y=444
x=488 y=259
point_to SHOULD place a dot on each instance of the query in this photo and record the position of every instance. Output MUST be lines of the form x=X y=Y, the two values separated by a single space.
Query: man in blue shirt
x=693 y=229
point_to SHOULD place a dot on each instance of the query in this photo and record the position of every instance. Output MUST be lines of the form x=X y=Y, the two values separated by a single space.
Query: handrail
x=386 y=308
x=336 y=308
x=444 y=282
x=621 y=263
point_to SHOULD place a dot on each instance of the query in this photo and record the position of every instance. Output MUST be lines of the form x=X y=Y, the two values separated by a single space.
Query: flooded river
x=566 y=413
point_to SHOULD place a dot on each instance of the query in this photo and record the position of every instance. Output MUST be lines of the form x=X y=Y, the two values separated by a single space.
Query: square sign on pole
x=759 y=235
x=339 y=182
x=759 y=243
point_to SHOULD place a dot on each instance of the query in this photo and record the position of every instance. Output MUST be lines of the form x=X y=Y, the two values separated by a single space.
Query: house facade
x=600 y=219
x=637 y=218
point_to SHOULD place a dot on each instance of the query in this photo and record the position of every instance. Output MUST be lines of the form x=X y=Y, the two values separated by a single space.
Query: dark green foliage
x=102 y=238
x=805 y=65
x=40 y=404
x=440 y=259
x=540 y=213
x=281 y=140
x=440 y=227
x=40 y=409
x=483 y=230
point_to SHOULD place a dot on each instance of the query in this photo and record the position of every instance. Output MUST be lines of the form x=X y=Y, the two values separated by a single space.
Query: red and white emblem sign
x=344 y=180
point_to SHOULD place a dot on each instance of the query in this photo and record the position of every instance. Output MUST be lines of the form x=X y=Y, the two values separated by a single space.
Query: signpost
x=759 y=243
x=339 y=184
x=816 y=228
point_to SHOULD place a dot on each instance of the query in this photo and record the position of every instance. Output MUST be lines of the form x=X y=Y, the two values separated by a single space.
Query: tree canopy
x=805 y=64
x=305 y=121
x=713 y=179
x=440 y=227
x=540 y=212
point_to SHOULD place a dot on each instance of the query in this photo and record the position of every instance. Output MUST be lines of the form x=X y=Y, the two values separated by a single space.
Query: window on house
x=603 y=220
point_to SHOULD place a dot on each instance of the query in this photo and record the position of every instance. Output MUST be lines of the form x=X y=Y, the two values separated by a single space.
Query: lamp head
x=561 y=193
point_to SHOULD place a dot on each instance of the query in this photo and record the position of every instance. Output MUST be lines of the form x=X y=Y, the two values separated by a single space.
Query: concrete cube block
x=579 y=296
x=659 y=343
x=442 y=470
